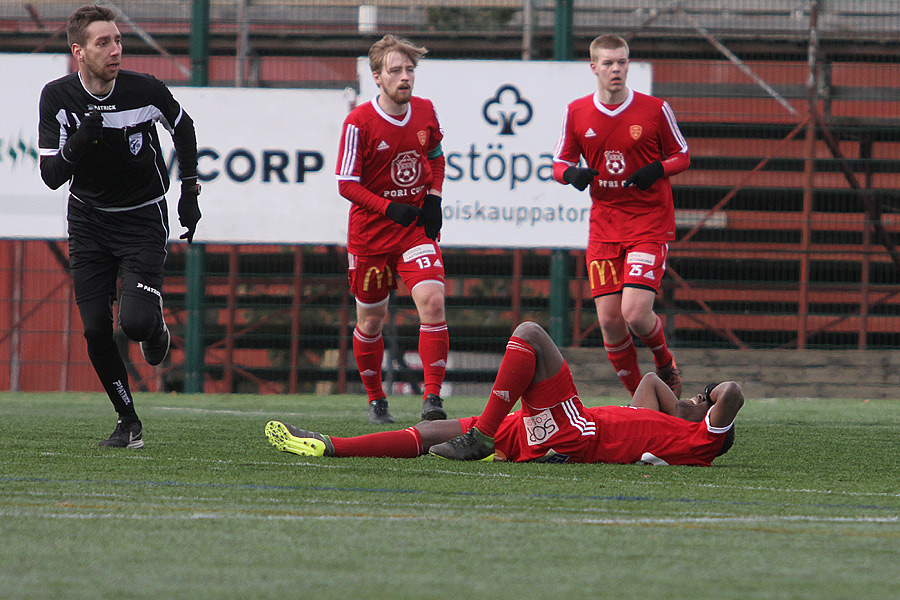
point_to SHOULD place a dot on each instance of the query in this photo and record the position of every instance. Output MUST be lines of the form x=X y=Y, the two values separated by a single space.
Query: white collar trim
x=617 y=110
x=389 y=118
x=98 y=98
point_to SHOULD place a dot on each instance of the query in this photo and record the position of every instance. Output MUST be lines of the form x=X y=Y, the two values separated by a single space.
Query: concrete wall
x=761 y=373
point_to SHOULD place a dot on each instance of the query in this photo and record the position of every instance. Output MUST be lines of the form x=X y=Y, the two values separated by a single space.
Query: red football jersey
x=617 y=142
x=388 y=157
x=571 y=432
x=628 y=435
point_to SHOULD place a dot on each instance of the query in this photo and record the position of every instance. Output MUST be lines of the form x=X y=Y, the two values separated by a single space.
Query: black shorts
x=104 y=244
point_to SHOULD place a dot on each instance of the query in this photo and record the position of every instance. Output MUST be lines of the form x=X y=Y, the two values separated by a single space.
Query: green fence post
x=195 y=280
x=195 y=264
x=562 y=32
x=559 y=297
x=559 y=279
x=200 y=43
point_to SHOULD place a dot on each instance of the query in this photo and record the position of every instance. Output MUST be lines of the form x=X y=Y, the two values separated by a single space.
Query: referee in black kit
x=98 y=132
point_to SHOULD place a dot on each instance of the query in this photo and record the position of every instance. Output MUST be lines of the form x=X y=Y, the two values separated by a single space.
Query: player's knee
x=431 y=305
x=610 y=321
x=637 y=318
x=99 y=337
x=370 y=325
x=531 y=332
x=139 y=323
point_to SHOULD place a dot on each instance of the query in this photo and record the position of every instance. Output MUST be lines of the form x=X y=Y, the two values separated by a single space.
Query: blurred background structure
x=787 y=218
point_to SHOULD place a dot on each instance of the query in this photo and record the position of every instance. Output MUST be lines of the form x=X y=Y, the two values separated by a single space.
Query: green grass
x=806 y=505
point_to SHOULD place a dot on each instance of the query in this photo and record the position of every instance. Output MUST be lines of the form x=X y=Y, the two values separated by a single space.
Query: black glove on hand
x=403 y=214
x=579 y=177
x=431 y=218
x=189 y=209
x=89 y=131
x=646 y=175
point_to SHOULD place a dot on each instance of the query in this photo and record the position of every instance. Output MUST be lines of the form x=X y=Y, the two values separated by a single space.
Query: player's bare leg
x=637 y=310
x=617 y=340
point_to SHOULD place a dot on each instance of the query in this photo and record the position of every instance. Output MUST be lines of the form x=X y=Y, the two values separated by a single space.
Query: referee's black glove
x=189 y=209
x=402 y=214
x=431 y=218
x=580 y=177
x=646 y=175
x=89 y=131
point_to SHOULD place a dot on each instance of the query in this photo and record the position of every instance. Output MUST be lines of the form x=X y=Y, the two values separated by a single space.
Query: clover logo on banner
x=507 y=109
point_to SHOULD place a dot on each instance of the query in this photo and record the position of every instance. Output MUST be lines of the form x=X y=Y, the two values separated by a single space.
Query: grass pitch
x=806 y=505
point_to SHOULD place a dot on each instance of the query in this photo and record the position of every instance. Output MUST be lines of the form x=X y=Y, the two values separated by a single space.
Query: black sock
x=111 y=370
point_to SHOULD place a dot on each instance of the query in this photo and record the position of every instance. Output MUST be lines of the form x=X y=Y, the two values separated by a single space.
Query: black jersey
x=126 y=168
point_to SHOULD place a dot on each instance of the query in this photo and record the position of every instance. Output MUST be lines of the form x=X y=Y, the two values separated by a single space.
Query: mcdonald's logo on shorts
x=381 y=278
x=598 y=270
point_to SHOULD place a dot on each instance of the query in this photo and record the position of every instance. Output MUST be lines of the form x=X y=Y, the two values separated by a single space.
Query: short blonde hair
x=607 y=41
x=392 y=43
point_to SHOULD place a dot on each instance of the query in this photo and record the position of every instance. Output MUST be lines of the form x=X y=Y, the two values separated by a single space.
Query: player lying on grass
x=553 y=425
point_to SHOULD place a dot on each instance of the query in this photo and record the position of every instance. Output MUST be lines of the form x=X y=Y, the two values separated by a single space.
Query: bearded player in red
x=632 y=145
x=553 y=425
x=391 y=168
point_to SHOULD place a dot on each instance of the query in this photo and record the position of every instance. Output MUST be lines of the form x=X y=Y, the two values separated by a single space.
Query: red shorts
x=551 y=419
x=613 y=265
x=373 y=277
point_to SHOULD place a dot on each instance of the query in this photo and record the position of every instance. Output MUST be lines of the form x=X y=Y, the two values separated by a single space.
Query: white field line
x=324 y=464
x=241 y=516
x=223 y=411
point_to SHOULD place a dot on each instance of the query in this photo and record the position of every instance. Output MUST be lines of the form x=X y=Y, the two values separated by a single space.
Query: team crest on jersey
x=423 y=137
x=405 y=168
x=615 y=162
x=635 y=131
x=135 y=142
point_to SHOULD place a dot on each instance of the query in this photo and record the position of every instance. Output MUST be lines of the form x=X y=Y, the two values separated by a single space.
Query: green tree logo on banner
x=18 y=150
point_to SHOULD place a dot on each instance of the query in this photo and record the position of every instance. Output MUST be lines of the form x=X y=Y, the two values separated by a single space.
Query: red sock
x=624 y=359
x=406 y=443
x=513 y=378
x=656 y=341
x=434 y=345
x=369 y=352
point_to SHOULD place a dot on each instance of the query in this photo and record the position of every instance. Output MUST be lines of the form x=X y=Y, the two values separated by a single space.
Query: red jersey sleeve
x=674 y=147
x=568 y=149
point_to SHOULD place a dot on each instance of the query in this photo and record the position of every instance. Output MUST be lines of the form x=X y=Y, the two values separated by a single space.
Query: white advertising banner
x=267 y=156
x=28 y=208
x=266 y=164
x=501 y=122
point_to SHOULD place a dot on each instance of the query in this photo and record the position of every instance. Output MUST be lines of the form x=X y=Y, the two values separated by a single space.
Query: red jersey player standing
x=391 y=168
x=632 y=145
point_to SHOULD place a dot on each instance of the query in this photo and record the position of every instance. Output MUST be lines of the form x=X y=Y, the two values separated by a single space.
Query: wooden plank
x=785 y=294
x=766 y=251
x=770 y=322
